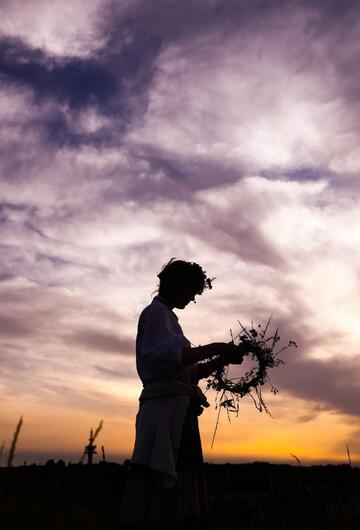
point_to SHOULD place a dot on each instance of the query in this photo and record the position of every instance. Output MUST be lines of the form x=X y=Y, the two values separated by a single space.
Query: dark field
x=256 y=496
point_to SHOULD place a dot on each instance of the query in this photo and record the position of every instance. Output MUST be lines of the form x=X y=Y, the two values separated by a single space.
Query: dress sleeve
x=161 y=342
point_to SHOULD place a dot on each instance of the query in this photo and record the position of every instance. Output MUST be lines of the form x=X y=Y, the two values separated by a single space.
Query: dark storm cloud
x=116 y=80
x=77 y=82
x=134 y=37
x=113 y=82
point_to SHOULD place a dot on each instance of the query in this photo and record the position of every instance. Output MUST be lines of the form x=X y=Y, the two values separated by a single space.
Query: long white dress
x=166 y=486
x=168 y=388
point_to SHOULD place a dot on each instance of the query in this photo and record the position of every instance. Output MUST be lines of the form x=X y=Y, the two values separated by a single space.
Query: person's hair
x=178 y=273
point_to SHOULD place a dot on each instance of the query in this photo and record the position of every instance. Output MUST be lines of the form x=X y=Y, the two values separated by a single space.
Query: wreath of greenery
x=262 y=349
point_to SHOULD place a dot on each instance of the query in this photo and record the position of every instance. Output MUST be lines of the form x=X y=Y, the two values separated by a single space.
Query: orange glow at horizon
x=252 y=436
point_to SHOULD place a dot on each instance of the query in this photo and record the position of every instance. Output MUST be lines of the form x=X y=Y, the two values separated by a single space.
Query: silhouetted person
x=166 y=485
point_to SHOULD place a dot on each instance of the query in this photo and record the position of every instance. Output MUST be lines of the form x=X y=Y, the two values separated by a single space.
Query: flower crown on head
x=179 y=270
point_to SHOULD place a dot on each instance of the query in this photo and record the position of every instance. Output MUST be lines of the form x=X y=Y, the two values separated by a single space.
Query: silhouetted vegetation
x=14 y=442
x=256 y=496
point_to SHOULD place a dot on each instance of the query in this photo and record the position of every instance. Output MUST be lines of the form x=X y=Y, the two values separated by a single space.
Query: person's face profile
x=184 y=295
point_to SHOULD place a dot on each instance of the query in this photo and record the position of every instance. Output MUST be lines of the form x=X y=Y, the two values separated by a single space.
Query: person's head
x=181 y=281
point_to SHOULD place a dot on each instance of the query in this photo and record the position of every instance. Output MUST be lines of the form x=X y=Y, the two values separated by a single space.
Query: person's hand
x=248 y=347
x=230 y=353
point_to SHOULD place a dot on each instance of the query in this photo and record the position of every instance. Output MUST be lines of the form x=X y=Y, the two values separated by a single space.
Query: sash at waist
x=165 y=388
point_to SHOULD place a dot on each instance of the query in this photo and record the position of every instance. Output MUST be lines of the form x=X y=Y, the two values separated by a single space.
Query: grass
x=256 y=496
x=14 y=442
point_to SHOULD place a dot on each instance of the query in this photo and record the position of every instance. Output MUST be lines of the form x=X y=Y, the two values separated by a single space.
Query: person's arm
x=221 y=350
x=223 y=353
x=208 y=368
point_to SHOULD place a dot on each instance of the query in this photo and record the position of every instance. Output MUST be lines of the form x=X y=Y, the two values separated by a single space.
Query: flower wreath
x=262 y=349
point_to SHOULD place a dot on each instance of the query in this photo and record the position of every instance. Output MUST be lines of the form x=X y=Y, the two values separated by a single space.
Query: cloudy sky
x=224 y=132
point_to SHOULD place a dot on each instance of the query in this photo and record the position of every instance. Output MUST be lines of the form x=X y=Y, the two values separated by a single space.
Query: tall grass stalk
x=98 y=429
x=14 y=442
x=348 y=454
x=296 y=458
x=2 y=450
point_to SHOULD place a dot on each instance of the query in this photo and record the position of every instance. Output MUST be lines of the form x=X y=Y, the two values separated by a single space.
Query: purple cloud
x=101 y=341
x=333 y=383
x=224 y=132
